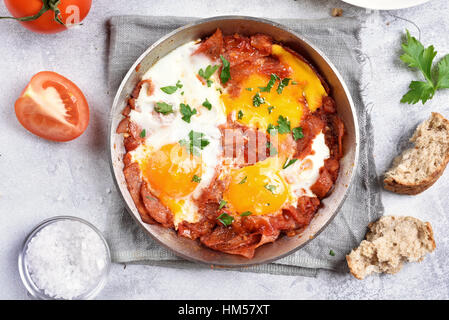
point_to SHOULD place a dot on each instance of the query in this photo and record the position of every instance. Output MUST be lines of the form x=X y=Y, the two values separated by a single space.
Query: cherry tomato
x=53 y=107
x=71 y=12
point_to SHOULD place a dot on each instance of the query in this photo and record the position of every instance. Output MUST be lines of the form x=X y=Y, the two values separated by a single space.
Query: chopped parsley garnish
x=332 y=253
x=283 y=125
x=206 y=74
x=207 y=104
x=258 y=100
x=270 y=84
x=222 y=204
x=150 y=198
x=246 y=213
x=163 y=108
x=195 y=143
x=288 y=163
x=294 y=83
x=143 y=133
x=272 y=130
x=243 y=180
x=249 y=89
x=270 y=188
x=272 y=149
x=297 y=133
x=225 y=71
x=172 y=89
x=186 y=112
x=270 y=109
x=196 y=179
x=225 y=219
x=282 y=84
x=240 y=115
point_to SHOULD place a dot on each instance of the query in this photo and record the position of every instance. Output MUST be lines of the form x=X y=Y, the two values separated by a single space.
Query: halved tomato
x=53 y=107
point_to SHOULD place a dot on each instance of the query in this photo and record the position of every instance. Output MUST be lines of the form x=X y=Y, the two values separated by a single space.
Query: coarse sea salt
x=66 y=259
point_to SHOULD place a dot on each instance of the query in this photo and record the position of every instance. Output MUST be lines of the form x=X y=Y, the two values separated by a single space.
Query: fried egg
x=177 y=171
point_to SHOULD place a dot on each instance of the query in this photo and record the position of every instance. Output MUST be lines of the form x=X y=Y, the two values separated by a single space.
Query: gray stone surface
x=41 y=179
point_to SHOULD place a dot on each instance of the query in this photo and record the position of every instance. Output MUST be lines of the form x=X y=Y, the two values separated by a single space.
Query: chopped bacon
x=134 y=183
x=262 y=42
x=311 y=126
x=195 y=230
x=123 y=126
x=226 y=240
x=323 y=184
x=332 y=166
x=304 y=211
x=156 y=209
x=126 y=111
x=213 y=46
x=136 y=91
x=329 y=105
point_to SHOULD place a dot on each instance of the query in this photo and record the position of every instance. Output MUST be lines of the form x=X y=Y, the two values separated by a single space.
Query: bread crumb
x=337 y=12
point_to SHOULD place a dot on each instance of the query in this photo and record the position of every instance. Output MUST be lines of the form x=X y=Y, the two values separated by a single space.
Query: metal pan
x=193 y=250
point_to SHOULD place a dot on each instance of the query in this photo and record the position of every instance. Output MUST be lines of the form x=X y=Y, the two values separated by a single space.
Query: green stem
x=46 y=5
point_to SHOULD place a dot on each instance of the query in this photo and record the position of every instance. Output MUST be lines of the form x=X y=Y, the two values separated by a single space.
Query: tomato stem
x=46 y=5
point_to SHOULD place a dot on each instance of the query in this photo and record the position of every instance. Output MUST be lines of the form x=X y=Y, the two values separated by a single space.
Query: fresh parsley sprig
x=416 y=56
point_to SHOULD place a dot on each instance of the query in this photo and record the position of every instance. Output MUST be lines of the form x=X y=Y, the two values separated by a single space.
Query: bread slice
x=389 y=243
x=418 y=168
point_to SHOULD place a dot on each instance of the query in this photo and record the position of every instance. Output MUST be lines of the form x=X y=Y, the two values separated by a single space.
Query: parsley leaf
x=246 y=213
x=225 y=71
x=282 y=84
x=288 y=163
x=416 y=56
x=240 y=115
x=186 y=112
x=196 y=179
x=225 y=219
x=195 y=143
x=243 y=180
x=206 y=74
x=270 y=84
x=222 y=204
x=143 y=133
x=283 y=125
x=270 y=109
x=163 y=108
x=297 y=133
x=207 y=104
x=272 y=130
x=332 y=253
x=258 y=100
x=169 y=89
x=172 y=89
x=270 y=188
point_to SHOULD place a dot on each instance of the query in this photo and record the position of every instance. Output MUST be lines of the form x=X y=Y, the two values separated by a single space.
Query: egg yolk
x=171 y=170
x=304 y=89
x=258 y=189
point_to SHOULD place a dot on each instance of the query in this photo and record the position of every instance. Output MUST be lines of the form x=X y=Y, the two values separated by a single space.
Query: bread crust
x=391 y=184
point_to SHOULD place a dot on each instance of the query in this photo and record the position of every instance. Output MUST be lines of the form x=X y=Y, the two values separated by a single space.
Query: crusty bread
x=416 y=169
x=389 y=243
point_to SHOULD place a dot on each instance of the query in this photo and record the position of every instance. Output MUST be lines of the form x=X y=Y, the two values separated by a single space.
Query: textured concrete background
x=41 y=179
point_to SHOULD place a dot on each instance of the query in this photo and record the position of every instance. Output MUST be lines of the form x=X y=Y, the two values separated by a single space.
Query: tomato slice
x=53 y=107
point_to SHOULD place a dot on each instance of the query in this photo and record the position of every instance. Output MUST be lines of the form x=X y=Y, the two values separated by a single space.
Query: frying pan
x=193 y=250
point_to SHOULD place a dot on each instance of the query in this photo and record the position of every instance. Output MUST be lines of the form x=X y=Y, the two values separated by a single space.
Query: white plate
x=386 y=4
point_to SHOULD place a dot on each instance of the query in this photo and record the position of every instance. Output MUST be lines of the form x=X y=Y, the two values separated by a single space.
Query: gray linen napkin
x=338 y=38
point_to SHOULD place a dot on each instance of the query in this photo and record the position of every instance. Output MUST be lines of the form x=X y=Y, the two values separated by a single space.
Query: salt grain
x=66 y=259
